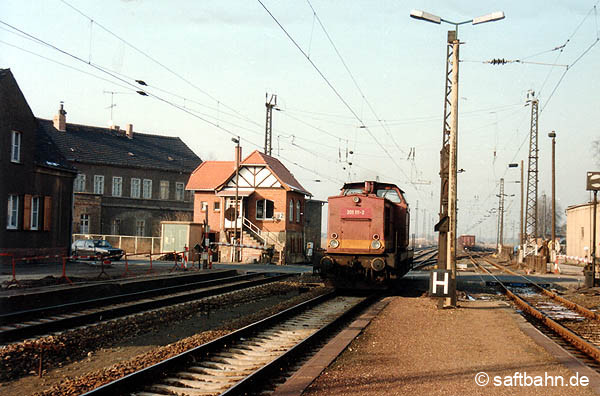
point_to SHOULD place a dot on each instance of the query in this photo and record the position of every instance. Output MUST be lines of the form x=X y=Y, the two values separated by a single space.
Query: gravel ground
x=412 y=348
x=91 y=358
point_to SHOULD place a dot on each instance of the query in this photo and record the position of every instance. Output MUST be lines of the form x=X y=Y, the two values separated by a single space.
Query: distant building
x=272 y=205
x=580 y=229
x=127 y=182
x=36 y=181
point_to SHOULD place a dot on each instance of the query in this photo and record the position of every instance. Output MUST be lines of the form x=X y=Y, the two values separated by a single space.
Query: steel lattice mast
x=531 y=229
x=269 y=123
x=442 y=226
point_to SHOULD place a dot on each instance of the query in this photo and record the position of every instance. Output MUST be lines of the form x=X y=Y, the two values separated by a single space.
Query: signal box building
x=271 y=204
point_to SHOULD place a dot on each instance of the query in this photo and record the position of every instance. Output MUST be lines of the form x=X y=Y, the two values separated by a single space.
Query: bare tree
x=544 y=217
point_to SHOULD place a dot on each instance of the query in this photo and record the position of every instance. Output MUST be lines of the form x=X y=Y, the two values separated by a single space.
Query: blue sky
x=219 y=58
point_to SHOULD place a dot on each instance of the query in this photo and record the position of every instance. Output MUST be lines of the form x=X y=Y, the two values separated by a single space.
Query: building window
x=15 y=152
x=84 y=224
x=217 y=206
x=98 y=184
x=140 y=226
x=135 y=187
x=79 y=183
x=179 y=190
x=298 y=211
x=117 y=190
x=203 y=206
x=291 y=216
x=116 y=227
x=35 y=213
x=147 y=189
x=164 y=189
x=12 y=222
x=264 y=209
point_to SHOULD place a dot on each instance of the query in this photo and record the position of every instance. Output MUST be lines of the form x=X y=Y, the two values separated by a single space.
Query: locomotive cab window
x=391 y=195
x=353 y=191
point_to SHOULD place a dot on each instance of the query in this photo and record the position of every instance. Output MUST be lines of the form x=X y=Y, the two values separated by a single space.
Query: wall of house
x=26 y=179
x=312 y=223
x=90 y=204
x=214 y=216
x=579 y=230
x=128 y=211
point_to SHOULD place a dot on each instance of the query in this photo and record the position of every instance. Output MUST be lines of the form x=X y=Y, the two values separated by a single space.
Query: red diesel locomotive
x=368 y=228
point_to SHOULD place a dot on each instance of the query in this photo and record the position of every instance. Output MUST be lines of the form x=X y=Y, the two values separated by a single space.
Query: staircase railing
x=265 y=238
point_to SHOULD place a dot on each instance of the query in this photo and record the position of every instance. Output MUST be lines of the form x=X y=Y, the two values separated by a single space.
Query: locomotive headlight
x=376 y=244
x=334 y=243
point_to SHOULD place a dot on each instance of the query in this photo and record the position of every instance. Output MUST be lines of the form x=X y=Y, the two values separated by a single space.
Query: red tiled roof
x=210 y=174
x=278 y=169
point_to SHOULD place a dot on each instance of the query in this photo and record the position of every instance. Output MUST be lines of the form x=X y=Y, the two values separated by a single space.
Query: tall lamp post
x=521 y=233
x=453 y=138
x=552 y=135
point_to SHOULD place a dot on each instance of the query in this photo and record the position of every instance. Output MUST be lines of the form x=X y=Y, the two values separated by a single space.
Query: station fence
x=130 y=243
x=180 y=262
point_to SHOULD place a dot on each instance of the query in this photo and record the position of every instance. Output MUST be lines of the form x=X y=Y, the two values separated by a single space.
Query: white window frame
x=84 y=223
x=117 y=186
x=179 y=191
x=99 y=184
x=79 y=183
x=164 y=189
x=12 y=221
x=216 y=206
x=15 y=147
x=136 y=186
x=140 y=225
x=147 y=188
x=291 y=207
x=34 y=223
x=298 y=211
x=203 y=206
x=264 y=216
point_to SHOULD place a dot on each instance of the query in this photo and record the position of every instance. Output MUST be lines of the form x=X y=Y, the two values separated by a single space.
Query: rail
x=569 y=336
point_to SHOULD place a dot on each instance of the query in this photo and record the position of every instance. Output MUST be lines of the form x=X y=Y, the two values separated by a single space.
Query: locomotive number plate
x=356 y=213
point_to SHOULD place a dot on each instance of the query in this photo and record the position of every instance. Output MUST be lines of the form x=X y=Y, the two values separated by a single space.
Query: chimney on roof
x=129 y=131
x=60 y=119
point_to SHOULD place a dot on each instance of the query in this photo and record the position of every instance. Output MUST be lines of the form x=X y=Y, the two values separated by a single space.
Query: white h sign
x=434 y=284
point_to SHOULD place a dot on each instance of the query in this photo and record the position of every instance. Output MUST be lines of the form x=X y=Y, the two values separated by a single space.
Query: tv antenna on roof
x=112 y=103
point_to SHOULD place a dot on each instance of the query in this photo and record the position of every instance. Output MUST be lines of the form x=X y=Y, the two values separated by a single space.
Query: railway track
x=573 y=323
x=21 y=325
x=245 y=361
x=424 y=258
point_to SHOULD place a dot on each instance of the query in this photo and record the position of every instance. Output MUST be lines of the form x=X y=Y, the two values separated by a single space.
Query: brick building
x=36 y=181
x=271 y=205
x=127 y=182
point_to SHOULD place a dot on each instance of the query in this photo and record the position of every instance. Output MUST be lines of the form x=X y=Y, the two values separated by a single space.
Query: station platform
x=413 y=348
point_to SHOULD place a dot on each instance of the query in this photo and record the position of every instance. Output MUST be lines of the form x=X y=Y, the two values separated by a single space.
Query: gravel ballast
x=412 y=348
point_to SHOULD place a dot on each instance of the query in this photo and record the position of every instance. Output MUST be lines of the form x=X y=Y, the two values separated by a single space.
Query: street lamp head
x=235 y=140
x=513 y=165
x=552 y=134
x=425 y=16
x=494 y=16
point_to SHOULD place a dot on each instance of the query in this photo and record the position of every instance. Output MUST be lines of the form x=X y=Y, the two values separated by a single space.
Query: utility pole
x=417 y=220
x=270 y=104
x=237 y=199
x=544 y=212
x=500 y=238
x=531 y=212
x=553 y=253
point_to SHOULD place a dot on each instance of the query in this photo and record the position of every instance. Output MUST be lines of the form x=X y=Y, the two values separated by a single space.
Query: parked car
x=96 y=248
